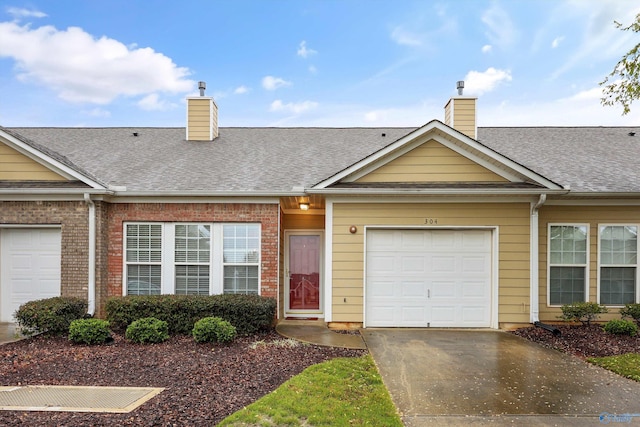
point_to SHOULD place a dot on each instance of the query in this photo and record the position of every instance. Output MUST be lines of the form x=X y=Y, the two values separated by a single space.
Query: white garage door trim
x=17 y=259
x=492 y=320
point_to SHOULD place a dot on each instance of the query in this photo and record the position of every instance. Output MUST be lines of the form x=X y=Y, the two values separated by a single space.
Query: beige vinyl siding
x=15 y=166
x=432 y=162
x=593 y=216
x=201 y=119
x=512 y=221
x=460 y=114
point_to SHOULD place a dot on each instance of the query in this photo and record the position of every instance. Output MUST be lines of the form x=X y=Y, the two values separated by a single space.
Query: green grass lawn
x=627 y=365
x=340 y=392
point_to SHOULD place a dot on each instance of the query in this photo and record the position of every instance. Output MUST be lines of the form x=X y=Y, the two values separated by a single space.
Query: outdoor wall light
x=353 y=229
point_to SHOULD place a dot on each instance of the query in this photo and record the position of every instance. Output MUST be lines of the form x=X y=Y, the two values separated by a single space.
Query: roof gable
x=24 y=160
x=431 y=161
x=436 y=147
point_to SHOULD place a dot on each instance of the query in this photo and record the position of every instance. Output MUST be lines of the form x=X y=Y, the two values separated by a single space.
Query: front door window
x=304 y=272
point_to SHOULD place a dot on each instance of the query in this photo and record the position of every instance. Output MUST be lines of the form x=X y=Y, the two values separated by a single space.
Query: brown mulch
x=582 y=341
x=204 y=382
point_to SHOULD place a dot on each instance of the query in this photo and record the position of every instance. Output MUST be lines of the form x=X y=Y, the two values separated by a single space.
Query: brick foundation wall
x=265 y=214
x=73 y=220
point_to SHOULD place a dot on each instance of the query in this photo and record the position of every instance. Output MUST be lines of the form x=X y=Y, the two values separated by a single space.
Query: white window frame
x=585 y=265
x=636 y=265
x=216 y=265
x=127 y=263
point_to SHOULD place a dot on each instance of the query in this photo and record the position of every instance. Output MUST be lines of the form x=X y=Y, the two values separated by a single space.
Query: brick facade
x=265 y=214
x=73 y=219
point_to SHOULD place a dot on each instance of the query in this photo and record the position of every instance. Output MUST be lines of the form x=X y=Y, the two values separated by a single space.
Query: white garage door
x=428 y=278
x=29 y=267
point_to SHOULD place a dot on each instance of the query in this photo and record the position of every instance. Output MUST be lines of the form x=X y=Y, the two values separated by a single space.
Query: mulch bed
x=204 y=382
x=582 y=341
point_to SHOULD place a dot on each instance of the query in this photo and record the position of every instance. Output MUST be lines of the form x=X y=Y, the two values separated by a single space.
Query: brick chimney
x=460 y=113
x=202 y=117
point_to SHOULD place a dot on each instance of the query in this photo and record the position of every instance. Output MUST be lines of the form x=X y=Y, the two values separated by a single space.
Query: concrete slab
x=9 y=333
x=450 y=377
x=316 y=332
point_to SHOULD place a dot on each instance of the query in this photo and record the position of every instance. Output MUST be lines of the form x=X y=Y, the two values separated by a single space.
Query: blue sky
x=310 y=63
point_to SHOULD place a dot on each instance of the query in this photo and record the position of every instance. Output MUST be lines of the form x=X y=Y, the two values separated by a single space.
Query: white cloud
x=601 y=40
x=312 y=69
x=487 y=48
x=305 y=52
x=405 y=38
x=241 y=90
x=273 y=83
x=291 y=107
x=152 y=102
x=83 y=69
x=18 y=13
x=581 y=109
x=478 y=83
x=500 y=28
x=556 y=42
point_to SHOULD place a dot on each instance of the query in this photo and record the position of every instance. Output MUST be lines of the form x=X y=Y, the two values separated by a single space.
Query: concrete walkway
x=8 y=333
x=316 y=332
x=488 y=377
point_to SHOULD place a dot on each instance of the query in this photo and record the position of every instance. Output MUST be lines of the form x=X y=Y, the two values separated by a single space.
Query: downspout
x=91 y=287
x=534 y=260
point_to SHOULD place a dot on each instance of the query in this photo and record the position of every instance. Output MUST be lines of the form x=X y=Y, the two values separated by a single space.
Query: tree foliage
x=622 y=85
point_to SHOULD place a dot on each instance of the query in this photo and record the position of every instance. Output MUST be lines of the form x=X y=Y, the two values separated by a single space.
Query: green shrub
x=621 y=327
x=51 y=315
x=583 y=312
x=147 y=330
x=248 y=313
x=89 y=331
x=213 y=329
x=632 y=311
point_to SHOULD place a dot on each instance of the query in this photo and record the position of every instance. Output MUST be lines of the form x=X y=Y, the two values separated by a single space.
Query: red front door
x=304 y=272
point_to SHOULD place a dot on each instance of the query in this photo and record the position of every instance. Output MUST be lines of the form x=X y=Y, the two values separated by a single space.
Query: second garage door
x=29 y=267
x=428 y=278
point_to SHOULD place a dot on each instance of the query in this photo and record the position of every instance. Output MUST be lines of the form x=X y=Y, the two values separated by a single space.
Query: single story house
x=444 y=225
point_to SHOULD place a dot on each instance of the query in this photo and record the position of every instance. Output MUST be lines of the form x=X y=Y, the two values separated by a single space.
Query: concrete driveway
x=487 y=377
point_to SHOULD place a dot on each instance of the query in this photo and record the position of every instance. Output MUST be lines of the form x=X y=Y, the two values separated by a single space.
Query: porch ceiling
x=316 y=202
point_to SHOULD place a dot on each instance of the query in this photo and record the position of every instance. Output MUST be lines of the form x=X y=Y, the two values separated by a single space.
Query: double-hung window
x=143 y=257
x=192 y=258
x=568 y=260
x=618 y=264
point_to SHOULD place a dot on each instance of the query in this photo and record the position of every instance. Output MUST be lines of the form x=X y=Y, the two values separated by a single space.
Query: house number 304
x=431 y=221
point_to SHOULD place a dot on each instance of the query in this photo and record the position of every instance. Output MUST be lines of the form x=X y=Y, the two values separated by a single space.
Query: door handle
x=429 y=293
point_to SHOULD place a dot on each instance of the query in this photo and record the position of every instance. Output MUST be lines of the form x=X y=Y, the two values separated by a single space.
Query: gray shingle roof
x=588 y=159
x=274 y=160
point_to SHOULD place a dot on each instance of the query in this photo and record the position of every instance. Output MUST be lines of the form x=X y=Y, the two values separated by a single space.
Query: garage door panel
x=29 y=267
x=437 y=278
x=413 y=264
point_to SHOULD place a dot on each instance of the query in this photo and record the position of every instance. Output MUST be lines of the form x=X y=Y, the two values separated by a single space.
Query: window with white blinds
x=192 y=259
x=143 y=246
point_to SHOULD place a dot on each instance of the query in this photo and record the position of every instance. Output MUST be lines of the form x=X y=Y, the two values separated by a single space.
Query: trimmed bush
x=213 y=329
x=621 y=327
x=583 y=312
x=89 y=331
x=51 y=315
x=147 y=330
x=248 y=313
x=632 y=311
